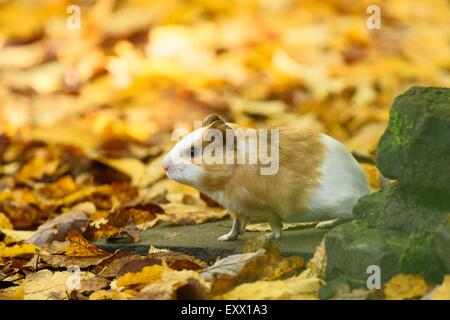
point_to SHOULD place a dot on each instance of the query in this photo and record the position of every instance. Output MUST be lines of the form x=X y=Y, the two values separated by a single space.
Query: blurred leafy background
x=137 y=69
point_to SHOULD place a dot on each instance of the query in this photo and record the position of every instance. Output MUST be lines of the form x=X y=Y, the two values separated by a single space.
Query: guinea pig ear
x=210 y=119
x=227 y=131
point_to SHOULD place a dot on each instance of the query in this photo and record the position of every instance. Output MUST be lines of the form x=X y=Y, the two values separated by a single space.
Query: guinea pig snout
x=166 y=164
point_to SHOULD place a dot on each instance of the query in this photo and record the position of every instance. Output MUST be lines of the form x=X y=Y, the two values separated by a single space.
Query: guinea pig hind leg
x=234 y=232
x=277 y=225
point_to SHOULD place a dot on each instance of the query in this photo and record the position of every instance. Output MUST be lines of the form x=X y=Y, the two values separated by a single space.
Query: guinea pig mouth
x=173 y=174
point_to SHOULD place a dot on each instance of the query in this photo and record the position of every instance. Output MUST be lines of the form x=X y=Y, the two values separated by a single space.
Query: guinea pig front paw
x=228 y=237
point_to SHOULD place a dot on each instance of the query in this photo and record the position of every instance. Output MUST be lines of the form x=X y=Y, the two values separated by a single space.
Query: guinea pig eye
x=193 y=152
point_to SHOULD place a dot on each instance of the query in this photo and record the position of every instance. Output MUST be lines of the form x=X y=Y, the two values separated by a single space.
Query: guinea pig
x=315 y=177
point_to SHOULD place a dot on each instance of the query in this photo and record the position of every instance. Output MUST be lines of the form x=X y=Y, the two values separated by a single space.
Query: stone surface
x=351 y=248
x=415 y=147
x=403 y=209
x=201 y=241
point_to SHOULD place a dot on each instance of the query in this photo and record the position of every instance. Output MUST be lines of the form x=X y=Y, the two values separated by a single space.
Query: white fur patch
x=182 y=169
x=342 y=183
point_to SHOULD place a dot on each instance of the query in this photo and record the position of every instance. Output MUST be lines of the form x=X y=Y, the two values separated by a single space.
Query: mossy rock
x=442 y=242
x=403 y=208
x=353 y=247
x=415 y=148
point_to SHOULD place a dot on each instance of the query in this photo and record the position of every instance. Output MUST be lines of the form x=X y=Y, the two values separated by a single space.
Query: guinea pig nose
x=166 y=165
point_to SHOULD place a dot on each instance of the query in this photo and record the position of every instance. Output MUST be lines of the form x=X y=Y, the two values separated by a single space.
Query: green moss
x=397 y=126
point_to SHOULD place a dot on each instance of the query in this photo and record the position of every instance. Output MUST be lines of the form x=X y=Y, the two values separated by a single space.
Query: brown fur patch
x=283 y=194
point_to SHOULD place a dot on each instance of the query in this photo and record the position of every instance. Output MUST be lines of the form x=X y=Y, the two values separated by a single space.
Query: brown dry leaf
x=295 y=288
x=80 y=247
x=405 y=286
x=132 y=232
x=230 y=265
x=59 y=227
x=48 y=285
x=270 y=266
x=178 y=261
x=174 y=260
x=91 y=283
x=60 y=261
x=181 y=214
x=124 y=221
x=22 y=216
x=442 y=292
x=37 y=167
x=110 y=267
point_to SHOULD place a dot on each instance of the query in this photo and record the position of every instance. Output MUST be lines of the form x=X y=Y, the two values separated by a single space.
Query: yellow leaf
x=12 y=293
x=147 y=275
x=405 y=286
x=4 y=222
x=443 y=291
x=294 y=288
x=193 y=285
x=16 y=250
x=316 y=267
x=48 y=285
x=13 y=236
x=373 y=175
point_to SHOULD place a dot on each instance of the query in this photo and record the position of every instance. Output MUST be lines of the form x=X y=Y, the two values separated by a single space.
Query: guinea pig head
x=205 y=157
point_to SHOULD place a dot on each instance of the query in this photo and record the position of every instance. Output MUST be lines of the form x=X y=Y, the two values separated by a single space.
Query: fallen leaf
x=48 y=285
x=110 y=267
x=148 y=274
x=14 y=236
x=37 y=167
x=316 y=267
x=175 y=285
x=12 y=293
x=16 y=250
x=61 y=261
x=405 y=286
x=59 y=227
x=21 y=216
x=290 y=289
x=4 y=222
x=442 y=292
x=269 y=266
x=230 y=265
x=81 y=247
